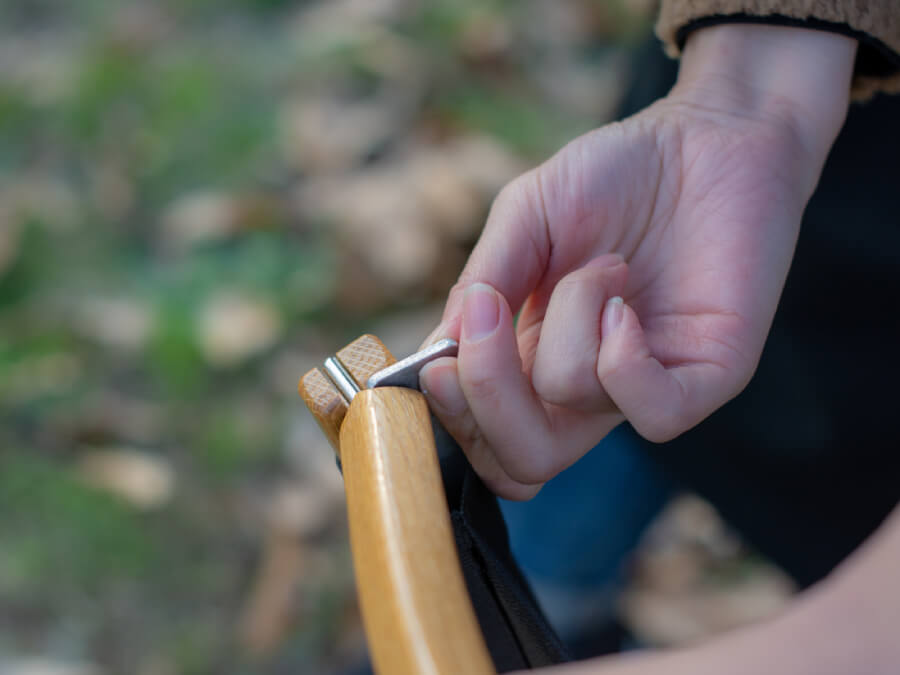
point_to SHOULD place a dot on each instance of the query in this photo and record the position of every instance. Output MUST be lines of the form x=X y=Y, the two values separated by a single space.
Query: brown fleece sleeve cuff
x=875 y=23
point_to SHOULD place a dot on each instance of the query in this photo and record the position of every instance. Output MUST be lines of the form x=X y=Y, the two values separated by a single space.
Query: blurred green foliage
x=65 y=531
x=112 y=115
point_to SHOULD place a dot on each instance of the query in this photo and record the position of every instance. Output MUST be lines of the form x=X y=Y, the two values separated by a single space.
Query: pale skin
x=847 y=625
x=646 y=260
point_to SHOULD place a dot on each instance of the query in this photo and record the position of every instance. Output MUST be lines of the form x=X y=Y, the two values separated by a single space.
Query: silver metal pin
x=340 y=378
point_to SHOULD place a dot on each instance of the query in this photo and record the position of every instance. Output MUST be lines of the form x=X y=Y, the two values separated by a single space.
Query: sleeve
x=875 y=23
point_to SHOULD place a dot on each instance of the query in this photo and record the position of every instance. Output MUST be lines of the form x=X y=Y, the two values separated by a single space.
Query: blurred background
x=198 y=202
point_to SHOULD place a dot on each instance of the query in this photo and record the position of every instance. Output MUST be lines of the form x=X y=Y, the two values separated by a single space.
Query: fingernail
x=481 y=312
x=441 y=387
x=613 y=315
x=433 y=336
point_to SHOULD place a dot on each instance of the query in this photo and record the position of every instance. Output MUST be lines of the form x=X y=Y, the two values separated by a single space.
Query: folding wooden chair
x=438 y=587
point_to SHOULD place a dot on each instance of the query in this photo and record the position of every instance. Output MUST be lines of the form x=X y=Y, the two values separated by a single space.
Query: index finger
x=512 y=253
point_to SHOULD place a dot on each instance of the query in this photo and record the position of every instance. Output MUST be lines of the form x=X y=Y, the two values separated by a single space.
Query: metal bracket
x=404 y=373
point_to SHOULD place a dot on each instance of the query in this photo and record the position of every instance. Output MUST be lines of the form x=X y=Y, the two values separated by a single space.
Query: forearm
x=863 y=600
x=847 y=624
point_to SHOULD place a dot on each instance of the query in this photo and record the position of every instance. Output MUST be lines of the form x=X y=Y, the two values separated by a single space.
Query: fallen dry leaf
x=234 y=326
x=691 y=578
x=39 y=65
x=669 y=619
x=403 y=217
x=109 y=415
x=268 y=613
x=198 y=217
x=118 y=323
x=448 y=197
x=49 y=201
x=486 y=37
x=144 y=480
x=484 y=161
x=326 y=134
x=47 y=666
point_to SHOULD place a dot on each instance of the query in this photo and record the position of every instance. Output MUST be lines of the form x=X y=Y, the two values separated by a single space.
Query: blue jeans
x=572 y=539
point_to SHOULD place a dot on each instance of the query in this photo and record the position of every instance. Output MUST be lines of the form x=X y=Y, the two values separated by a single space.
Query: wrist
x=796 y=79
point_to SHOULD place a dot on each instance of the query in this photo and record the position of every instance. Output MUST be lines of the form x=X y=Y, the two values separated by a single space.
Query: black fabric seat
x=515 y=629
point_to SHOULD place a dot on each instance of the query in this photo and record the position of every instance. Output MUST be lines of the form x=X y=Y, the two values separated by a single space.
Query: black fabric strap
x=515 y=629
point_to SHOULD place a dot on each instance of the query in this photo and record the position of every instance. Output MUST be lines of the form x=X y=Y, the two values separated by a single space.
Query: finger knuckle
x=662 y=426
x=572 y=282
x=485 y=462
x=513 y=491
x=454 y=297
x=517 y=195
x=563 y=385
x=468 y=433
x=510 y=193
x=610 y=370
x=535 y=469
x=482 y=389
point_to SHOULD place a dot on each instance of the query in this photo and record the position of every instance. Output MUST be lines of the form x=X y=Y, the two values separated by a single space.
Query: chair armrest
x=415 y=606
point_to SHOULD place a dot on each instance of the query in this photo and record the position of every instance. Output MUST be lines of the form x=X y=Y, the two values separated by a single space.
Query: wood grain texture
x=415 y=605
x=362 y=358
x=325 y=404
x=416 y=608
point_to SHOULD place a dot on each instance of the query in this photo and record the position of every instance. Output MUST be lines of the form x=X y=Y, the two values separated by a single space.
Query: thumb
x=440 y=384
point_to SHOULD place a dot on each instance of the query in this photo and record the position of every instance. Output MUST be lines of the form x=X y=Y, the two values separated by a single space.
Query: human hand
x=646 y=257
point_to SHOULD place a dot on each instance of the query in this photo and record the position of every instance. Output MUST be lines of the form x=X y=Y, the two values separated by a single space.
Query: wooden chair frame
x=415 y=606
